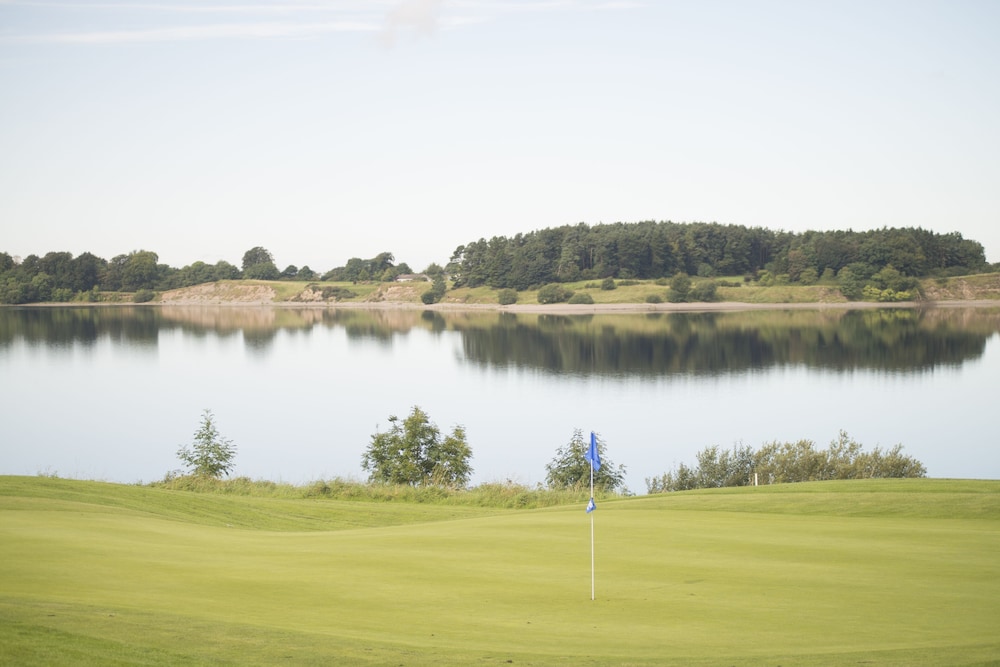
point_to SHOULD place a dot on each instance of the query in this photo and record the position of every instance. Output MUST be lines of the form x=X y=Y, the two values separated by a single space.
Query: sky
x=325 y=130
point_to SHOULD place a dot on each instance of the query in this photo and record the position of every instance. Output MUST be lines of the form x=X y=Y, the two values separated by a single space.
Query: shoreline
x=537 y=308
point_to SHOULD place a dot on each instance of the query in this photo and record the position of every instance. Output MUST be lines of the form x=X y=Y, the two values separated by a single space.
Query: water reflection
x=654 y=344
x=712 y=343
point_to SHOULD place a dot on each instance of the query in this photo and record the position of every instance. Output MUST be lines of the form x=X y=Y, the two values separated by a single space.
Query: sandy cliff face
x=220 y=293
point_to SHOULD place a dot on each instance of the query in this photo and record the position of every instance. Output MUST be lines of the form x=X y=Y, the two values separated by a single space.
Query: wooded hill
x=885 y=259
x=651 y=250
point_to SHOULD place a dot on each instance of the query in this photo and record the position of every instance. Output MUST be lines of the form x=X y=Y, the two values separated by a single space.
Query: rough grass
x=982 y=286
x=491 y=494
x=888 y=572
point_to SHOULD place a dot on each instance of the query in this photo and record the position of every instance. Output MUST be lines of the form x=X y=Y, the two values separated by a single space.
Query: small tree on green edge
x=571 y=469
x=210 y=455
x=413 y=452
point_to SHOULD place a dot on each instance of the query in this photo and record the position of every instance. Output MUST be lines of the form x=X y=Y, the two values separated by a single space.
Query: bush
x=872 y=293
x=851 y=284
x=608 y=283
x=337 y=293
x=704 y=290
x=554 y=293
x=507 y=296
x=436 y=292
x=809 y=276
x=680 y=285
x=413 y=452
x=654 y=298
x=581 y=297
x=777 y=463
x=143 y=295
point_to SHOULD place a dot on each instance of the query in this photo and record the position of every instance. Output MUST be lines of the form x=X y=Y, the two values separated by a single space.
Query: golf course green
x=883 y=572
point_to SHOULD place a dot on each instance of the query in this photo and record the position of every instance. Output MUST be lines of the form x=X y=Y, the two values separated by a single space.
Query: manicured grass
x=884 y=572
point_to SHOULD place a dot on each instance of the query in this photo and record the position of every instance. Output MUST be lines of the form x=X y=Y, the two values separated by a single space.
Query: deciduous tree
x=413 y=452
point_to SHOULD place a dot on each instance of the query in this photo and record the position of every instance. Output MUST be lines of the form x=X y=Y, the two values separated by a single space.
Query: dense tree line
x=782 y=463
x=651 y=250
x=880 y=264
x=58 y=276
x=61 y=277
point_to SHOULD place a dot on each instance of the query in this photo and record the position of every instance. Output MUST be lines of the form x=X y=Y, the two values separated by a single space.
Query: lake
x=111 y=393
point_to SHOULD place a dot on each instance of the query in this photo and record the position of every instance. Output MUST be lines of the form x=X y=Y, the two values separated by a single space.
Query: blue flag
x=592 y=455
x=591 y=506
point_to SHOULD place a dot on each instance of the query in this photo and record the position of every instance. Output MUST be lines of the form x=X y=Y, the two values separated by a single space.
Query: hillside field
x=889 y=572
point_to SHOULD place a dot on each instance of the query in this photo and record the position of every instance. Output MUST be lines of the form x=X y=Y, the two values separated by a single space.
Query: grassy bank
x=887 y=572
x=984 y=287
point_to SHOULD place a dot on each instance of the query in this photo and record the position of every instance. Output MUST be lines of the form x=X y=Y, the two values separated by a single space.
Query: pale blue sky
x=324 y=130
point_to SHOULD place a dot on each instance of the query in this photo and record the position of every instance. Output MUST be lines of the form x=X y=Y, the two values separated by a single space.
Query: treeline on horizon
x=644 y=250
x=61 y=277
x=653 y=250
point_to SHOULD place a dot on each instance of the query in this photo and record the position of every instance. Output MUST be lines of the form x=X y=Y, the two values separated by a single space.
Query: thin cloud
x=387 y=19
x=420 y=16
x=203 y=32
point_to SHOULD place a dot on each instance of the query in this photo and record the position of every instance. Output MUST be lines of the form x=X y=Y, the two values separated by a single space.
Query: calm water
x=111 y=393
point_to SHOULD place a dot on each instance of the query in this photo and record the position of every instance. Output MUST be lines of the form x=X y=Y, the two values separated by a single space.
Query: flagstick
x=592 y=534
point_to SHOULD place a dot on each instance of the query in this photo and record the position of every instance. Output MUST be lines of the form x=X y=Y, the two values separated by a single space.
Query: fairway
x=902 y=572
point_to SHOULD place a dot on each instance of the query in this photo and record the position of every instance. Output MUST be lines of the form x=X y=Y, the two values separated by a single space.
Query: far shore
x=554 y=308
x=719 y=306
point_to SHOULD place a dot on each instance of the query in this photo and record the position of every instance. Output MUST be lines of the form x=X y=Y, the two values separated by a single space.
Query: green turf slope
x=891 y=573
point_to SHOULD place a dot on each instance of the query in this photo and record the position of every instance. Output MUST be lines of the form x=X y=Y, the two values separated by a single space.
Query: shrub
x=143 y=295
x=850 y=283
x=872 y=293
x=809 y=276
x=554 y=293
x=413 y=452
x=608 y=283
x=680 y=285
x=337 y=293
x=654 y=298
x=581 y=297
x=704 y=290
x=507 y=296
x=777 y=463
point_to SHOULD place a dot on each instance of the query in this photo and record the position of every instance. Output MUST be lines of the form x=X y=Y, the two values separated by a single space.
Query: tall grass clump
x=503 y=495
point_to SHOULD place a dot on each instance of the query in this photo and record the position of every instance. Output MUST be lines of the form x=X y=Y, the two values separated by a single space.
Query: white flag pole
x=592 y=532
